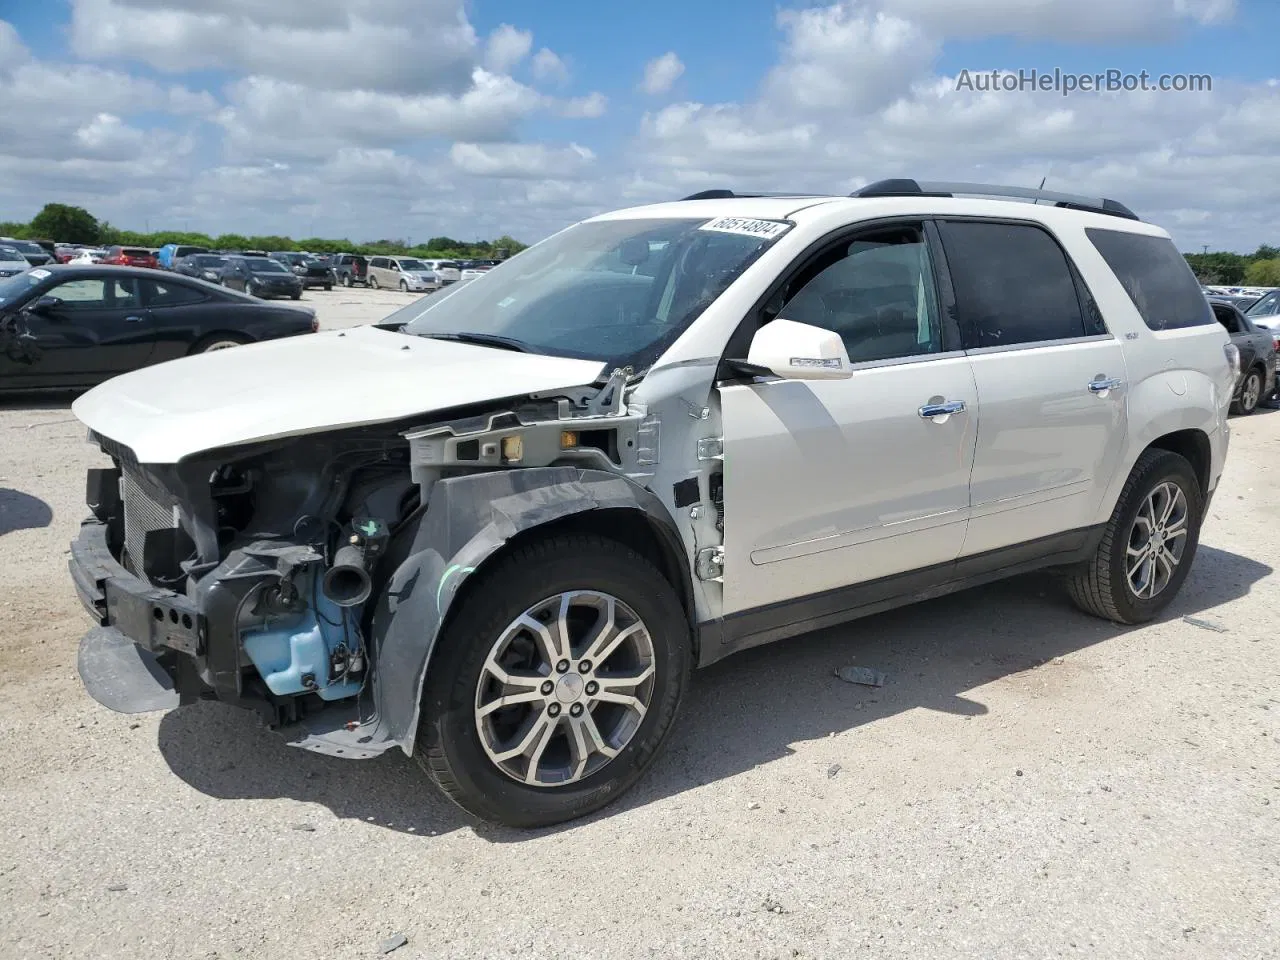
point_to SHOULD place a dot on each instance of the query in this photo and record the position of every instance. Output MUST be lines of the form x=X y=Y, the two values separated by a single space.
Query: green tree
x=1223 y=268
x=59 y=221
x=231 y=241
x=1266 y=252
x=1263 y=273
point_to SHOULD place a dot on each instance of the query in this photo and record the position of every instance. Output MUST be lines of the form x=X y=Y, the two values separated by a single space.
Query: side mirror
x=45 y=305
x=799 y=351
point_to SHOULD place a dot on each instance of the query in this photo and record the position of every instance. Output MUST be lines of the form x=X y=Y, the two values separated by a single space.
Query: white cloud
x=12 y=51
x=394 y=45
x=548 y=66
x=529 y=161
x=507 y=47
x=661 y=73
x=589 y=107
x=1105 y=20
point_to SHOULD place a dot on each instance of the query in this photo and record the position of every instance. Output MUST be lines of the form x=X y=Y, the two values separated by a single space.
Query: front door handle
x=134 y=319
x=939 y=412
x=1104 y=385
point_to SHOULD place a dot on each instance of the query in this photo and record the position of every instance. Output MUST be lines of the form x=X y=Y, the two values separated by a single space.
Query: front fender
x=466 y=521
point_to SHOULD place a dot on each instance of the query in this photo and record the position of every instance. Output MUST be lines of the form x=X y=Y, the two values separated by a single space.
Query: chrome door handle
x=938 y=412
x=1104 y=385
x=133 y=319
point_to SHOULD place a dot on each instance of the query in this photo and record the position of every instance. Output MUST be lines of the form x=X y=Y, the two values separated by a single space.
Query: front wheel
x=1148 y=545
x=556 y=683
x=404 y=287
x=1250 y=394
x=346 y=280
x=328 y=287
x=373 y=282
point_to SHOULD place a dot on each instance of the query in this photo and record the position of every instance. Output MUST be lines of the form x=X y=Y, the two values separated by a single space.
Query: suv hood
x=309 y=384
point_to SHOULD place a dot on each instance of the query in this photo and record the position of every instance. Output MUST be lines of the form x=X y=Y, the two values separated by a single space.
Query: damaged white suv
x=499 y=536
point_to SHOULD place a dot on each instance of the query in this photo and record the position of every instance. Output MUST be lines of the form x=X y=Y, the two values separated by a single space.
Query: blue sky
x=404 y=118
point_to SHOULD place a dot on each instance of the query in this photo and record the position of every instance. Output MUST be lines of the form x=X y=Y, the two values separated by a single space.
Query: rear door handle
x=1104 y=385
x=939 y=412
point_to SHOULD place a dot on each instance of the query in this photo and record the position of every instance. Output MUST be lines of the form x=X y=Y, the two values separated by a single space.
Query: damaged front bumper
x=156 y=649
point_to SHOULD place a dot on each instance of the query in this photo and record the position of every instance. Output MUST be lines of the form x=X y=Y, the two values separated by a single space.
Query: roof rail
x=730 y=195
x=913 y=188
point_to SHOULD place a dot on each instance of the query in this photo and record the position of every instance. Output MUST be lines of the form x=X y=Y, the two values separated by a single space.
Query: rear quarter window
x=1156 y=277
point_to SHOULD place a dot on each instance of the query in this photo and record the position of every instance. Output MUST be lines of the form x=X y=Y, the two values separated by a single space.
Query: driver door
x=834 y=483
x=99 y=329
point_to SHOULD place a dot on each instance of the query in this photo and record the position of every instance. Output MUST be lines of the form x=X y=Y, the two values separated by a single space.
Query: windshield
x=14 y=287
x=411 y=264
x=266 y=266
x=619 y=291
x=208 y=262
x=1267 y=306
x=26 y=246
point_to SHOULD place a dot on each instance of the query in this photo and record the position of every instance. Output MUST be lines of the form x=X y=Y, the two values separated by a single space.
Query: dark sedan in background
x=261 y=277
x=202 y=266
x=313 y=271
x=1257 y=356
x=69 y=326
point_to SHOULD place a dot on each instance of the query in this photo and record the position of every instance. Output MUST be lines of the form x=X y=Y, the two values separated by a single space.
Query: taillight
x=1233 y=359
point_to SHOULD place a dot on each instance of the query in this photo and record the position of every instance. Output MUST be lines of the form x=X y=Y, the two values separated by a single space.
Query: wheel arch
x=239 y=336
x=471 y=522
x=1193 y=446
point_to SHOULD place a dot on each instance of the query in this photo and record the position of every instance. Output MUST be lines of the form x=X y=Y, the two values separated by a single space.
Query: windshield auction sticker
x=764 y=229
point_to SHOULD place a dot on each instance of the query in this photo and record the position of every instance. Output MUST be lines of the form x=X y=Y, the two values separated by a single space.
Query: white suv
x=497 y=530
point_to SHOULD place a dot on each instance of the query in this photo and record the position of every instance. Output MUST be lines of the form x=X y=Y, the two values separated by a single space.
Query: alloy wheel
x=1157 y=540
x=564 y=688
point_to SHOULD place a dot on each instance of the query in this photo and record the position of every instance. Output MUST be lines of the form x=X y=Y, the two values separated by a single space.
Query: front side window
x=562 y=297
x=876 y=291
x=1013 y=284
x=95 y=293
x=1156 y=277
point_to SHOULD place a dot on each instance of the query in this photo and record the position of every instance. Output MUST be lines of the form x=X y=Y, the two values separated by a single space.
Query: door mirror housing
x=799 y=351
x=45 y=305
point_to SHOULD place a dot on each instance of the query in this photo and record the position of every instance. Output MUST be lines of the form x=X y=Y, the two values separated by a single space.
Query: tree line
x=1258 y=269
x=64 y=223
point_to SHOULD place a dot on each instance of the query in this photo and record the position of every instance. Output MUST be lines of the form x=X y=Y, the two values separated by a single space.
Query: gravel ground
x=1029 y=783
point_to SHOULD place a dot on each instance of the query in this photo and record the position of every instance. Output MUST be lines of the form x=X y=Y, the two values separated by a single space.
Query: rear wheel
x=555 y=683
x=1250 y=393
x=1149 y=543
x=219 y=341
x=328 y=286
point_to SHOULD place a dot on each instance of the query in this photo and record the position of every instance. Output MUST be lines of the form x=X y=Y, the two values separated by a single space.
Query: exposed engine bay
x=287 y=546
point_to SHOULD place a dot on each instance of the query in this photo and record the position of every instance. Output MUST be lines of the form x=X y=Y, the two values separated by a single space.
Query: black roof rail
x=730 y=195
x=913 y=188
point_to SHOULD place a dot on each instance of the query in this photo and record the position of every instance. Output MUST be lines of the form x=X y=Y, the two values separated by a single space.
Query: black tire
x=404 y=287
x=372 y=281
x=295 y=296
x=328 y=287
x=449 y=748
x=1250 y=385
x=1101 y=586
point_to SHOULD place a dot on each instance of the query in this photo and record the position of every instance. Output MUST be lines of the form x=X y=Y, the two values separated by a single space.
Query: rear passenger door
x=1050 y=381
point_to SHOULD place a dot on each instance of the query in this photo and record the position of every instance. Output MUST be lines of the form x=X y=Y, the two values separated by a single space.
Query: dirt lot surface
x=1030 y=782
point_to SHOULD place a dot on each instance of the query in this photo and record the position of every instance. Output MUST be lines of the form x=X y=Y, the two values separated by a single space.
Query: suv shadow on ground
x=22 y=511
x=740 y=713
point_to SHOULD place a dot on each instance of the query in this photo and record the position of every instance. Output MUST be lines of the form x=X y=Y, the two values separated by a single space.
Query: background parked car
x=75 y=326
x=202 y=266
x=261 y=277
x=471 y=269
x=311 y=271
x=406 y=273
x=446 y=271
x=1257 y=347
x=130 y=257
x=12 y=261
x=89 y=255
x=170 y=253
x=350 y=269
x=33 y=253
x=1266 y=311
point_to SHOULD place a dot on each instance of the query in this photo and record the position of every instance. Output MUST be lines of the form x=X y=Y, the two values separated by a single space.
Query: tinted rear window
x=135 y=252
x=1156 y=277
